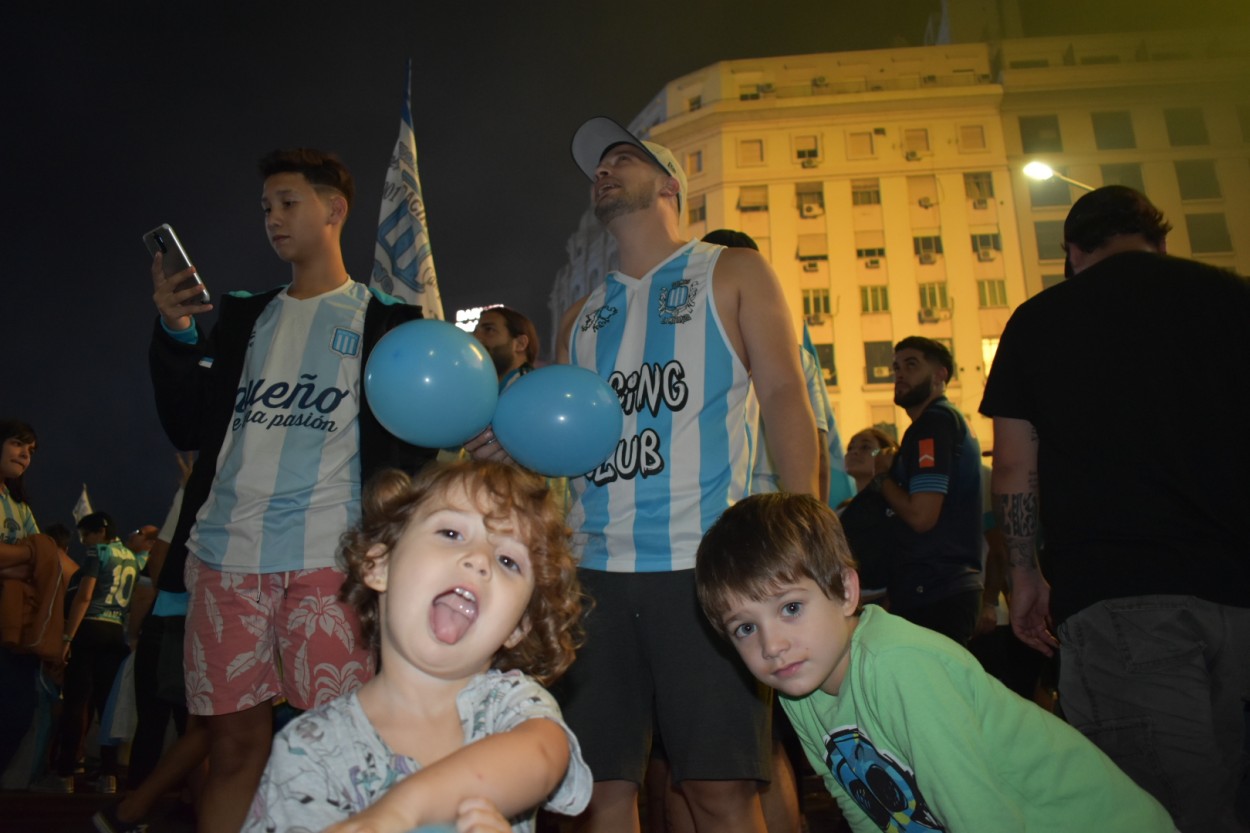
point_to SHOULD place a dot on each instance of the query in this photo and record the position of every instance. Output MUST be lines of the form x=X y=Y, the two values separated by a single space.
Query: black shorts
x=651 y=659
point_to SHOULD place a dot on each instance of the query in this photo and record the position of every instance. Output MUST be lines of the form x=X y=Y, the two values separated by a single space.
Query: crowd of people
x=353 y=633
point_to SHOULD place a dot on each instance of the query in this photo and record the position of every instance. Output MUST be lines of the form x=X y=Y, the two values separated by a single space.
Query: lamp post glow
x=1041 y=172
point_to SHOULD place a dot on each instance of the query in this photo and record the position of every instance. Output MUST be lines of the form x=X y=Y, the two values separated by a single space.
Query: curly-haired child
x=464 y=584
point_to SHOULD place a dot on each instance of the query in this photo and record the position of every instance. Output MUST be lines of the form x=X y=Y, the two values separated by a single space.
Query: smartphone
x=164 y=241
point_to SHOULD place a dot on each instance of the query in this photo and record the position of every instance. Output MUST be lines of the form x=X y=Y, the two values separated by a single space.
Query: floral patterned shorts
x=253 y=637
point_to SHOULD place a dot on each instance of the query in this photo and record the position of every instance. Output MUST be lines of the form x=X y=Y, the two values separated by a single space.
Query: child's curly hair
x=499 y=491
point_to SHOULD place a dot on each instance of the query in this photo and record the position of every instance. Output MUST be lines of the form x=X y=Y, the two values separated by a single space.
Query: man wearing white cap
x=681 y=331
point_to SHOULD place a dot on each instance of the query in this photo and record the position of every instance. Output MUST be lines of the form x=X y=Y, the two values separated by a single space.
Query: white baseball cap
x=593 y=139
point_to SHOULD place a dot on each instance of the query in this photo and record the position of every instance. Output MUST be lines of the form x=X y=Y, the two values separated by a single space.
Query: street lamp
x=1041 y=172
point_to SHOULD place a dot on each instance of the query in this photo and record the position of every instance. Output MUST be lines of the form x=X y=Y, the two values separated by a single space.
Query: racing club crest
x=677 y=301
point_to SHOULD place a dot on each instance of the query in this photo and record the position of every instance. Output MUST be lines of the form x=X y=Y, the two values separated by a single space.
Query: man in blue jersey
x=934 y=488
x=272 y=399
x=681 y=331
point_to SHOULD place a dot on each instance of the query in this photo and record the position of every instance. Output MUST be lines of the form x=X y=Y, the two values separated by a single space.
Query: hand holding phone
x=163 y=241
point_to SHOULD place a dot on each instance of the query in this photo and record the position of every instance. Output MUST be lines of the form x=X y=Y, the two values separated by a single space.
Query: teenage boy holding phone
x=272 y=400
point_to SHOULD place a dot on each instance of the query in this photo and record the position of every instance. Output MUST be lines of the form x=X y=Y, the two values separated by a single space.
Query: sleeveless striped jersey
x=687 y=442
x=288 y=474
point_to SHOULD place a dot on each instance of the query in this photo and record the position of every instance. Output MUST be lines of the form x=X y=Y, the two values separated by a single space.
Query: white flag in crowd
x=403 y=265
x=83 y=507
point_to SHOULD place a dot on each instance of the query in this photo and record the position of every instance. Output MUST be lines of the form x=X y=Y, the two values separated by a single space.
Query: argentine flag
x=403 y=265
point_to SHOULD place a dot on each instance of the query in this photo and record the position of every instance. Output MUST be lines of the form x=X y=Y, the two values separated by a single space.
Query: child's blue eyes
x=792 y=608
x=510 y=563
x=744 y=630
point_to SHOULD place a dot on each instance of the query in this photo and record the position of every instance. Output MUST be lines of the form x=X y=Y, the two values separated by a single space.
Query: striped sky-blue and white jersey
x=687 y=442
x=16 y=519
x=288 y=474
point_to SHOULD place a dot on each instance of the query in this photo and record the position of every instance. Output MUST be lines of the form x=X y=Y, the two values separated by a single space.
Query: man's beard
x=918 y=394
x=501 y=355
x=621 y=203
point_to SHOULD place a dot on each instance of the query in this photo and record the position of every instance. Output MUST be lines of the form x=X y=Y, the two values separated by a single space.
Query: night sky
x=125 y=115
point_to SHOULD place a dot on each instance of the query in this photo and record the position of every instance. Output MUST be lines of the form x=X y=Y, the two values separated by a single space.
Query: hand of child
x=477 y=815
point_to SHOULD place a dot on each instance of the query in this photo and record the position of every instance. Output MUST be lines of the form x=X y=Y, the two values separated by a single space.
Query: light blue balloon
x=431 y=384
x=560 y=421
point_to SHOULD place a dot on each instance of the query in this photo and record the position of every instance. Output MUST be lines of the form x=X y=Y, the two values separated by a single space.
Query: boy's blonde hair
x=764 y=542
x=499 y=491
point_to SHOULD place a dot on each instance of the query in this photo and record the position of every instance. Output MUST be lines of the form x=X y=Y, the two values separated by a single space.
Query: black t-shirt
x=1136 y=375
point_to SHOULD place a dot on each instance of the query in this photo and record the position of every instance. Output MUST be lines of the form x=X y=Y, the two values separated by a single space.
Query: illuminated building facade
x=885 y=186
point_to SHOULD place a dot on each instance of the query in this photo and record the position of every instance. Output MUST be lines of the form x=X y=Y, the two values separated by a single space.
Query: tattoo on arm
x=1018 y=518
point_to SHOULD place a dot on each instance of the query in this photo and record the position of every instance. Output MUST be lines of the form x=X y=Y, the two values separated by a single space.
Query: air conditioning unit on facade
x=814 y=320
x=810 y=163
x=980 y=205
x=985 y=255
x=928 y=79
x=928 y=315
x=811 y=266
x=811 y=209
x=928 y=258
x=872 y=263
x=882 y=371
x=911 y=156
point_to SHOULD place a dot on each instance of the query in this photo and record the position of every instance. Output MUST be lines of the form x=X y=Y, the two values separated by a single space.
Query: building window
x=882 y=416
x=697 y=212
x=933 y=295
x=816 y=302
x=1197 y=180
x=971 y=137
x=916 y=140
x=1208 y=233
x=1124 y=173
x=859 y=145
x=927 y=248
x=874 y=299
x=749 y=92
x=1186 y=126
x=865 y=192
x=987 y=243
x=828 y=369
x=694 y=162
x=1050 y=192
x=979 y=185
x=1049 y=239
x=878 y=361
x=1114 y=131
x=875 y=252
x=1051 y=280
x=989 y=349
x=753 y=198
x=812 y=247
x=992 y=293
x=810 y=197
x=806 y=149
x=1040 y=134
x=750 y=152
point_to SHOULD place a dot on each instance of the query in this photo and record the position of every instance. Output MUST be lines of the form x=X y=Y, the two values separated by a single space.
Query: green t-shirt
x=921 y=738
x=115 y=570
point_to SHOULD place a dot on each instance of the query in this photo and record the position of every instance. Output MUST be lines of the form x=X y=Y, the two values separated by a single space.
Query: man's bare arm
x=769 y=348
x=1014 y=486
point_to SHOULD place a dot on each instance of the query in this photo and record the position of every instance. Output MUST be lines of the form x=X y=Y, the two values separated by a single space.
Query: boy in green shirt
x=906 y=728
